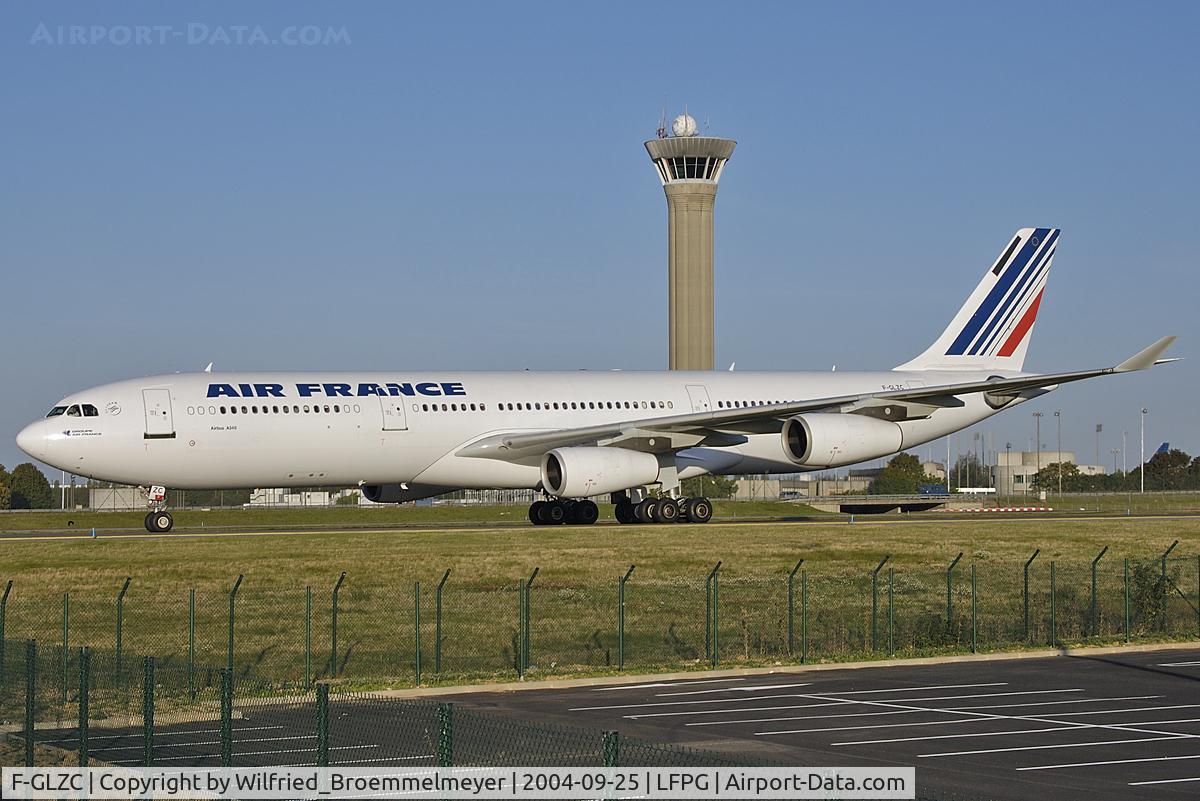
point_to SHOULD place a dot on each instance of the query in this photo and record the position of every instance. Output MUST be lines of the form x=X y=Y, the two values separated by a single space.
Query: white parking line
x=1046 y=747
x=139 y=747
x=807 y=717
x=832 y=701
x=1134 y=709
x=261 y=753
x=754 y=688
x=1167 y=781
x=94 y=738
x=663 y=684
x=384 y=759
x=955 y=736
x=1179 y=664
x=1059 y=703
x=1110 y=762
x=916 y=689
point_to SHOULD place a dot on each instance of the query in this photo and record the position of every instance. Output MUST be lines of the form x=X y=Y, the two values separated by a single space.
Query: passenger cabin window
x=56 y=411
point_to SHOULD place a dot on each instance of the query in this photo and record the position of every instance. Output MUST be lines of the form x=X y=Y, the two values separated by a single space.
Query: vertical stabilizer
x=993 y=328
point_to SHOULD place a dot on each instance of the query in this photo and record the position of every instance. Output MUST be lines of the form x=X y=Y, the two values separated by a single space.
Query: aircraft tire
x=161 y=522
x=586 y=513
x=624 y=513
x=146 y=522
x=554 y=513
x=666 y=511
x=700 y=510
x=644 y=511
x=535 y=512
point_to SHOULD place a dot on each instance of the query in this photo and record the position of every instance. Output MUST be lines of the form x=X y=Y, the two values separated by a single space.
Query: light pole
x=1115 y=451
x=1037 y=418
x=1142 y=469
x=1099 y=428
x=1008 y=483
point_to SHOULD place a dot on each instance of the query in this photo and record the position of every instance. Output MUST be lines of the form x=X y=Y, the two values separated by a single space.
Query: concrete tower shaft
x=689 y=168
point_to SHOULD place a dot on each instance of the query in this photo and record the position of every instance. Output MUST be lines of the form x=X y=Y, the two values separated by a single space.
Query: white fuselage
x=231 y=430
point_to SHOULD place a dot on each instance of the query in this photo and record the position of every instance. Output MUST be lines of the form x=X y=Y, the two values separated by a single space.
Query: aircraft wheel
x=644 y=511
x=553 y=513
x=535 y=512
x=700 y=510
x=570 y=512
x=666 y=511
x=160 y=522
x=146 y=522
x=624 y=512
x=586 y=513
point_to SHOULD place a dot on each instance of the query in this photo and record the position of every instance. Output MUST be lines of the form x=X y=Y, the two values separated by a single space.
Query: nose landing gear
x=158 y=520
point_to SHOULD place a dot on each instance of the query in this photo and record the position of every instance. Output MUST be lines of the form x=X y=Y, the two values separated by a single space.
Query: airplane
x=570 y=436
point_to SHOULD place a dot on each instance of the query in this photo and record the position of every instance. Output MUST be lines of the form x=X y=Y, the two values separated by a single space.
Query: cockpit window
x=90 y=411
x=73 y=411
x=56 y=411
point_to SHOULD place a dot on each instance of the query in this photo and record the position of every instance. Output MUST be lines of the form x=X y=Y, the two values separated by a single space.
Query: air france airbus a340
x=573 y=436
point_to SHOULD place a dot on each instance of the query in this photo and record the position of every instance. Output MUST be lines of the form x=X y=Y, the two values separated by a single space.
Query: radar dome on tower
x=684 y=125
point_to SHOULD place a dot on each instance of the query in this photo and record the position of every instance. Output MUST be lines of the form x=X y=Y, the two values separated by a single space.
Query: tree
x=709 y=487
x=30 y=489
x=1048 y=478
x=968 y=471
x=1167 y=471
x=902 y=476
x=5 y=497
x=5 y=477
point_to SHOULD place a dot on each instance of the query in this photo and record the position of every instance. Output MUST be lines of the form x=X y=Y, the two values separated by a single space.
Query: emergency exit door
x=394 y=418
x=698 y=394
x=160 y=423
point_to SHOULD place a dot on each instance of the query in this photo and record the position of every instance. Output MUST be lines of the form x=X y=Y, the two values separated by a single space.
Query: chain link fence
x=460 y=628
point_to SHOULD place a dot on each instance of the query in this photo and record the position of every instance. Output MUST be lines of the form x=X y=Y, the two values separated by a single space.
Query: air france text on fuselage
x=338 y=390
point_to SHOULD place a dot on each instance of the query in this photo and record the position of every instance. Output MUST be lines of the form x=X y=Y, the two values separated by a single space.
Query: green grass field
x=573 y=600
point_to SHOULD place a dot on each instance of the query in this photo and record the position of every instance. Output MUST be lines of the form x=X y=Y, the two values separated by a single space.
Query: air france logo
x=338 y=390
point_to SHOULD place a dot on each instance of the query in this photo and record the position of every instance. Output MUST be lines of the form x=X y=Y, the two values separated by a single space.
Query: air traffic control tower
x=689 y=167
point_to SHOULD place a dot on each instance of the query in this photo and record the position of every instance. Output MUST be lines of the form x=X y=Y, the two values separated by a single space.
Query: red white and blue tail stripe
x=993 y=328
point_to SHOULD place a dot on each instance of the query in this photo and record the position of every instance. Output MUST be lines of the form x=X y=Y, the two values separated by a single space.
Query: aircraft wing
x=724 y=427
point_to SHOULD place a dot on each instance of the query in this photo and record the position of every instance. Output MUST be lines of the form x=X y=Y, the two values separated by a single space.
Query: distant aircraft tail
x=993 y=328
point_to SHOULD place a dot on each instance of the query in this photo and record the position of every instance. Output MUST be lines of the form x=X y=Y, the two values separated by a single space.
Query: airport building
x=689 y=166
x=1014 y=470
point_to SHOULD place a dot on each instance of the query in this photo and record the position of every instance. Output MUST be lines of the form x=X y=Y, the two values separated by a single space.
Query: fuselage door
x=698 y=394
x=394 y=418
x=159 y=422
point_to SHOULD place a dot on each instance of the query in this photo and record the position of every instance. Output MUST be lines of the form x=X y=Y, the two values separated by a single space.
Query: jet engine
x=582 y=472
x=395 y=493
x=834 y=440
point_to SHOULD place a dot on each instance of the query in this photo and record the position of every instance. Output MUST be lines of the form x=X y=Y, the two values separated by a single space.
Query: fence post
x=803 y=616
x=191 y=654
x=520 y=643
x=950 y=594
x=525 y=619
x=1025 y=591
x=974 y=612
x=30 y=696
x=612 y=749
x=120 y=625
x=1163 y=590
x=1095 y=627
x=85 y=674
x=417 y=629
x=148 y=711
x=621 y=617
x=445 y=740
x=437 y=623
x=229 y=649
x=1053 y=610
x=890 y=639
x=791 y=608
x=333 y=648
x=713 y=609
x=3 y=612
x=66 y=644
x=308 y=637
x=1127 y=599
x=227 y=718
x=322 y=725
x=875 y=602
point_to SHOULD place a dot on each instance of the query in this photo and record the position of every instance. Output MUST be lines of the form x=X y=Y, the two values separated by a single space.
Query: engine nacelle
x=586 y=471
x=394 y=493
x=834 y=440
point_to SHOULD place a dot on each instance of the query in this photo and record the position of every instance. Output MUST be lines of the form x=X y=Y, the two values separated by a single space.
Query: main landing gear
x=663 y=510
x=158 y=520
x=563 y=512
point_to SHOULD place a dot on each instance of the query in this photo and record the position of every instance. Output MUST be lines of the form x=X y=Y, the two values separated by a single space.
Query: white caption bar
x=253 y=784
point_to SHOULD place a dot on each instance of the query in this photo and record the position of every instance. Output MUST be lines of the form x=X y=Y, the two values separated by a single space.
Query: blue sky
x=463 y=186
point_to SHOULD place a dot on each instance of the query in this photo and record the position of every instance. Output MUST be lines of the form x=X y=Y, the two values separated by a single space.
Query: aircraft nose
x=32 y=440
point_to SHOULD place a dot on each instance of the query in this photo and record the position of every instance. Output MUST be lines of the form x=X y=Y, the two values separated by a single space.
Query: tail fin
x=993 y=328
